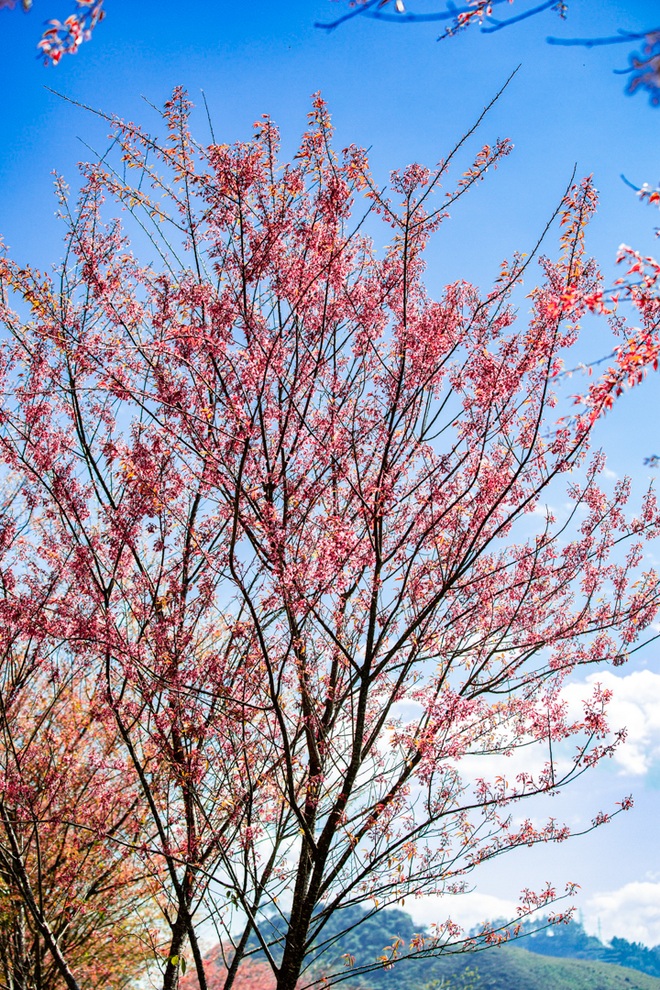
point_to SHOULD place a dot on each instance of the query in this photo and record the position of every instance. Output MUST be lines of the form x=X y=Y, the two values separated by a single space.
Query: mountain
x=572 y=942
x=562 y=957
x=514 y=968
x=554 y=958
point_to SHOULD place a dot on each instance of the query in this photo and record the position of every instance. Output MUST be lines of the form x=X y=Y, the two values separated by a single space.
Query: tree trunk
x=172 y=969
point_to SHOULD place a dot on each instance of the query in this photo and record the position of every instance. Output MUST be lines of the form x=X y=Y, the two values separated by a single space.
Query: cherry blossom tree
x=68 y=887
x=283 y=522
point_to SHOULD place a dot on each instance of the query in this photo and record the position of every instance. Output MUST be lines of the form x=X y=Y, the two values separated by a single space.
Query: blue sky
x=394 y=89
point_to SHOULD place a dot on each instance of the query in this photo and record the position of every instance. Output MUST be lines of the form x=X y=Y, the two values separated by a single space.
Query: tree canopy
x=279 y=513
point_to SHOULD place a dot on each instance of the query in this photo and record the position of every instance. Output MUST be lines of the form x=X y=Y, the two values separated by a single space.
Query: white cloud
x=631 y=912
x=635 y=705
x=466 y=910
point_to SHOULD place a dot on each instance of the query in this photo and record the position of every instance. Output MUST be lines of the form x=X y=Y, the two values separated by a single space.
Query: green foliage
x=467 y=980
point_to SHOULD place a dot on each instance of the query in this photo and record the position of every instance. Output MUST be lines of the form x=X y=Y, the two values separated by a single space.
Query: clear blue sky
x=394 y=89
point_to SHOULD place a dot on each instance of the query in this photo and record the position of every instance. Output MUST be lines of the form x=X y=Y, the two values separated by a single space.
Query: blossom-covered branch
x=65 y=37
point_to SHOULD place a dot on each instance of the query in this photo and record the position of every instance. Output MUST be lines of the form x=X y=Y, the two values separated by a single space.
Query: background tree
x=296 y=506
x=69 y=886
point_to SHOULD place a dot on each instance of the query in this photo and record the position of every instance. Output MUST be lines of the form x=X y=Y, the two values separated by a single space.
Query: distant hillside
x=558 y=957
x=540 y=961
x=572 y=942
x=513 y=968
x=503 y=968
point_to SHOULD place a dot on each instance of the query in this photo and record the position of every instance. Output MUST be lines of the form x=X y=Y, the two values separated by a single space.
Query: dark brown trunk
x=172 y=969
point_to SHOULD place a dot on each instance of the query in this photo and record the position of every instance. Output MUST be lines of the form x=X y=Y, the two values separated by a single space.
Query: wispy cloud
x=631 y=912
x=635 y=706
x=466 y=910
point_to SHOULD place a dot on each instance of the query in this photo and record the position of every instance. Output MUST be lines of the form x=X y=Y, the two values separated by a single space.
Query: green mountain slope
x=570 y=941
x=505 y=967
x=509 y=968
x=561 y=958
